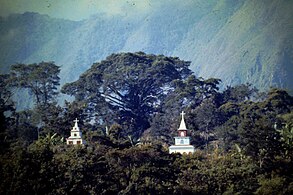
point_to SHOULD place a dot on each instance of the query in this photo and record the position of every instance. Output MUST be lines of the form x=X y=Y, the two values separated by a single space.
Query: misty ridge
x=235 y=41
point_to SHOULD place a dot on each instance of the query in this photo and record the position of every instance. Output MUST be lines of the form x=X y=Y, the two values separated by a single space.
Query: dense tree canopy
x=132 y=84
x=128 y=106
x=41 y=79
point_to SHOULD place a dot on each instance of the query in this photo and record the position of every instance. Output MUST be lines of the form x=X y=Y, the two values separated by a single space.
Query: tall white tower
x=182 y=142
x=75 y=135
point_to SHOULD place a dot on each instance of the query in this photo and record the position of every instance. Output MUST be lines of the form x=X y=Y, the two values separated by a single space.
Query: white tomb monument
x=182 y=142
x=75 y=136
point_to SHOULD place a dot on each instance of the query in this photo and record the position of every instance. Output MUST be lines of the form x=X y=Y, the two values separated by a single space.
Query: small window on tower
x=74 y=134
x=181 y=141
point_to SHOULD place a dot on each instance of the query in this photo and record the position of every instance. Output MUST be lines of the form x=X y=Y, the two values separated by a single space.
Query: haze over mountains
x=237 y=41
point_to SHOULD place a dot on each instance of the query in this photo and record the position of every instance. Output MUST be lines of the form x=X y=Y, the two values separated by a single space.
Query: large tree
x=41 y=79
x=131 y=85
x=7 y=111
x=6 y=103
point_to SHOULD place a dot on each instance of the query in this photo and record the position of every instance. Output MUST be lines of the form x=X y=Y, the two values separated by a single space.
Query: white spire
x=75 y=125
x=75 y=135
x=182 y=124
x=75 y=128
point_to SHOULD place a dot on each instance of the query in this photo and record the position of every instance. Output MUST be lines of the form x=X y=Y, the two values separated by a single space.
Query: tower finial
x=75 y=125
x=182 y=124
x=182 y=114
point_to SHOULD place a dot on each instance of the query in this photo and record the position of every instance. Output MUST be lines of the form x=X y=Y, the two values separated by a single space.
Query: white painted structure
x=75 y=136
x=182 y=142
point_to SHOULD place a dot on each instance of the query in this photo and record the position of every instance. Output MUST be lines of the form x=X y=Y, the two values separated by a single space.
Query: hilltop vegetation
x=243 y=138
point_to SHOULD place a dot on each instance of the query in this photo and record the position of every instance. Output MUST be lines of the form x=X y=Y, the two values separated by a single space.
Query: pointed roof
x=182 y=124
x=75 y=128
x=75 y=125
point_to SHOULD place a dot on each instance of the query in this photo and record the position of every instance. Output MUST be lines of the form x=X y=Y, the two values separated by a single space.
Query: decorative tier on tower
x=75 y=135
x=182 y=142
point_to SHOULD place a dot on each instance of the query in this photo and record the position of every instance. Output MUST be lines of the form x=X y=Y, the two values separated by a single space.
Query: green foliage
x=287 y=131
x=128 y=86
x=41 y=79
x=139 y=170
x=216 y=175
x=248 y=143
x=239 y=93
x=7 y=112
x=28 y=170
x=274 y=185
x=195 y=90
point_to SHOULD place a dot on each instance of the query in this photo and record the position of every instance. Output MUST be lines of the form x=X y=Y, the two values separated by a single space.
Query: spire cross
x=182 y=123
x=182 y=114
x=75 y=122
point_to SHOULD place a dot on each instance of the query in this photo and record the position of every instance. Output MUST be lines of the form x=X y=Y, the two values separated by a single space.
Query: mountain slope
x=32 y=36
x=236 y=40
x=253 y=45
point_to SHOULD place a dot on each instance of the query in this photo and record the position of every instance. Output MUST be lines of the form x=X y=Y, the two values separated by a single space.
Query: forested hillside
x=243 y=137
x=238 y=41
